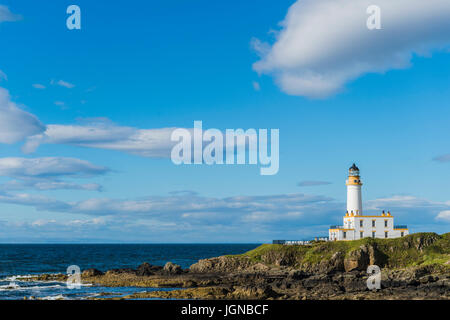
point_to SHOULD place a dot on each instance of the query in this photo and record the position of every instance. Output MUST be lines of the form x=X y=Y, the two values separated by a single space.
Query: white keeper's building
x=356 y=224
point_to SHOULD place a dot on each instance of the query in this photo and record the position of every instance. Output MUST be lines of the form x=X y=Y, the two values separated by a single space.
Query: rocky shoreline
x=285 y=283
x=320 y=271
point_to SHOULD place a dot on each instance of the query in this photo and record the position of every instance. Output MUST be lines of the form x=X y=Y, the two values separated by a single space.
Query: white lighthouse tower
x=354 y=199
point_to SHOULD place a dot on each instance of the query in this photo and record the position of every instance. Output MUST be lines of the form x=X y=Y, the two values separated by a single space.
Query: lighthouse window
x=361 y=235
x=373 y=234
x=385 y=234
x=402 y=234
x=385 y=223
x=355 y=181
x=345 y=235
x=373 y=223
x=360 y=223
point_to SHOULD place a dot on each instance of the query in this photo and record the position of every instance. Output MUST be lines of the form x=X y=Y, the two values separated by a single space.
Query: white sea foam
x=26 y=279
x=15 y=287
x=17 y=277
x=20 y=277
x=57 y=297
x=10 y=286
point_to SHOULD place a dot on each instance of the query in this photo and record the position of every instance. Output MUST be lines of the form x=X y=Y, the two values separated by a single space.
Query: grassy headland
x=417 y=249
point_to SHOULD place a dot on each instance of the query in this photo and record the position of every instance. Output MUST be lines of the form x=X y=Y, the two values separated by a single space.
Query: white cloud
x=324 y=44
x=261 y=216
x=100 y=133
x=48 y=167
x=16 y=124
x=48 y=184
x=41 y=223
x=444 y=215
x=409 y=209
x=402 y=201
x=8 y=16
x=65 y=84
x=193 y=217
x=192 y=208
x=45 y=173
x=276 y=212
x=78 y=222
x=105 y=135
x=38 y=86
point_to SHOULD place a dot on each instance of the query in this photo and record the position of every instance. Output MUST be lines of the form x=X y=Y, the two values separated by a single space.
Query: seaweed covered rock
x=261 y=292
x=224 y=264
x=120 y=271
x=92 y=272
x=146 y=269
x=172 y=268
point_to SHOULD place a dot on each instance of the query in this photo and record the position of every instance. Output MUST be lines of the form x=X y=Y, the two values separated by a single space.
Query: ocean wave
x=17 y=277
x=57 y=297
x=25 y=277
x=10 y=286
x=15 y=287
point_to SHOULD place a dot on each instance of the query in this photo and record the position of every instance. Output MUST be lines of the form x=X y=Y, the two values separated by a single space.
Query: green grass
x=400 y=252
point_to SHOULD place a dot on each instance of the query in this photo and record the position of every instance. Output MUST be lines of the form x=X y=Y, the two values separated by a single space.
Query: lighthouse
x=358 y=226
x=354 y=199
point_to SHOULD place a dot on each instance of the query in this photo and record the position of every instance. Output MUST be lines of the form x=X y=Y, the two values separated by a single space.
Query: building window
x=386 y=234
x=373 y=234
x=345 y=235
x=361 y=223
x=373 y=223
x=385 y=223
x=402 y=234
x=361 y=235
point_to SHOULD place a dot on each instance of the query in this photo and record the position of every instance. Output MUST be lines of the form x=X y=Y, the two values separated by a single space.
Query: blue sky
x=139 y=66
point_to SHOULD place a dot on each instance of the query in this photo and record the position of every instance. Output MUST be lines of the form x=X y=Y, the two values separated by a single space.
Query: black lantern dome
x=353 y=171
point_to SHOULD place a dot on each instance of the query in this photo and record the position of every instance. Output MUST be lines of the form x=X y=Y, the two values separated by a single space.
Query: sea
x=21 y=261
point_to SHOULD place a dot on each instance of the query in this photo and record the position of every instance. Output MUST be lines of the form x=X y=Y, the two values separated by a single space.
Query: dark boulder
x=121 y=271
x=146 y=269
x=296 y=275
x=172 y=268
x=261 y=292
x=91 y=273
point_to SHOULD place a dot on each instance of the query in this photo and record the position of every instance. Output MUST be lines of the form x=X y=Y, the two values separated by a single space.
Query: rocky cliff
x=415 y=250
